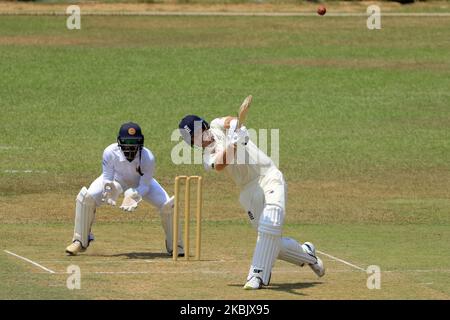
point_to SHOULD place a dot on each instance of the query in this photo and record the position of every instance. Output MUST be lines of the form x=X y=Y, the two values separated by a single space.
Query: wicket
x=187 y=208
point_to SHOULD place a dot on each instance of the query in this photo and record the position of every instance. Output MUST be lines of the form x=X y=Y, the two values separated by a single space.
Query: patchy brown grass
x=392 y=197
x=127 y=262
x=144 y=32
x=371 y=199
x=358 y=64
x=169 y=6
x=44 y=40
x=6 y=7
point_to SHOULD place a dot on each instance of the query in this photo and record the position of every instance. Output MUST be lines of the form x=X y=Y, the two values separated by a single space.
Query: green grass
x=17 y=282
x=335 y=121
x=364 y=143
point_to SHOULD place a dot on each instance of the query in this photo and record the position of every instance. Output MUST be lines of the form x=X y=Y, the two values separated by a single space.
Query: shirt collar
x=120 y=154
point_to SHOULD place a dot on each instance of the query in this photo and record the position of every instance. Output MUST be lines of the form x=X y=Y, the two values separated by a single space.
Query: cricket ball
x=321 y=10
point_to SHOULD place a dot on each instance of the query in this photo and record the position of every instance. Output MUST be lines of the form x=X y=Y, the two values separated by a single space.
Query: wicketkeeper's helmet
x=130 y=140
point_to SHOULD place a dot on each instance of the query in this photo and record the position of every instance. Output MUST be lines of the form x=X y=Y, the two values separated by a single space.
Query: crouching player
x=127 y=167
x=263 y=193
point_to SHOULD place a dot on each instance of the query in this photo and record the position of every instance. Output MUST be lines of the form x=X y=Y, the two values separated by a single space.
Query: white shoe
x=254 y=283
x=317 y=267
x=309 y=248
x=75 y=248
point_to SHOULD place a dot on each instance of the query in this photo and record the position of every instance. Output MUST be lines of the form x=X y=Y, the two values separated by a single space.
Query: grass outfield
x=364 y=133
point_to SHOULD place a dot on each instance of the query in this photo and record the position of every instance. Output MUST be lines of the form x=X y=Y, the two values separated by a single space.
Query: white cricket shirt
x=117 y=167
x=250 y=162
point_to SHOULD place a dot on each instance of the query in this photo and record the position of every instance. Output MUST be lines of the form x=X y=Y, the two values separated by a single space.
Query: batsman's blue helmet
x=189 y=124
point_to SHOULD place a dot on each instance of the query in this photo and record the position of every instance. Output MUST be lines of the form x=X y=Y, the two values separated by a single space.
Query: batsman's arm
x=225 y=123
x=234 y=140
x=225 y=157
x=231 y=123
x=217 y=160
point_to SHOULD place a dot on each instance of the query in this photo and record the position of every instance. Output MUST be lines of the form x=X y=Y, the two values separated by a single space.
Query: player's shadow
x=292 y=287
x=140 y=255
x=287 y=287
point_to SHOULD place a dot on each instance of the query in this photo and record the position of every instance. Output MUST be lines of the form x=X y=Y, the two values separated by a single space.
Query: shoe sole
x=251 y=288
x=319 y=275
x=75 y=253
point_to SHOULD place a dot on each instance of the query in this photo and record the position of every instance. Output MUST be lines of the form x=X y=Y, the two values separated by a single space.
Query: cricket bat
x=243 y=110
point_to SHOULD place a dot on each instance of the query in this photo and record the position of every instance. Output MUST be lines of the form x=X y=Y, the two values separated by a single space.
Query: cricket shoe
x=180 y=251
x=317 y=267
x=76 y=247
x=254 y=283
x=254 y=280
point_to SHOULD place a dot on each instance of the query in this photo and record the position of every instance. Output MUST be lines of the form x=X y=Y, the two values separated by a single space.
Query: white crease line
x=30 y=261
x=277 y=271
x=150 y=272
x=340 y=260
x=25 y=171
x=168 y=261
x=222 y=261
x=416 y=271
x=288 y=271
x=15 y=147
x=128 y=272
x=203 y=262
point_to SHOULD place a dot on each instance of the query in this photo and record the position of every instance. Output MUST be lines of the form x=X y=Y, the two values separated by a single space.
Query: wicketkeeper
x=128 y=168
x=226 y=147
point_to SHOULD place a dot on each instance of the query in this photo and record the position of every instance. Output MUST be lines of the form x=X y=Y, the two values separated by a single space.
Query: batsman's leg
x=267 y=247
x=290 y=250
x=299 y=254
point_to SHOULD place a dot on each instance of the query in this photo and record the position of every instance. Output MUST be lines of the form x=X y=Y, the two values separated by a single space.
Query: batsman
x=128 y=168
x=227 y=147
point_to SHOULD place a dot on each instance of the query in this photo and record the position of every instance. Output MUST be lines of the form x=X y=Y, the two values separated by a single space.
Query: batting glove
x=239 y=136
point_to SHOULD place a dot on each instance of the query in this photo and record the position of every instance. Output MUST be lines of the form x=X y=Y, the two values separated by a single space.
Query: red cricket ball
x=321 y=10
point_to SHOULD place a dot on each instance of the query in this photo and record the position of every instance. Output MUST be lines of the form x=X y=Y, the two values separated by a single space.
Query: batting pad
x=267 y=244
x=292 y=251
x=84 y=217
x=166 y=213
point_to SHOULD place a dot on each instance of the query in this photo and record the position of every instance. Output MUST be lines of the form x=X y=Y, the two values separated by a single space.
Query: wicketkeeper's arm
x=132 y=196
x=148 y=169
x=111 y=189
x=107 y=167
